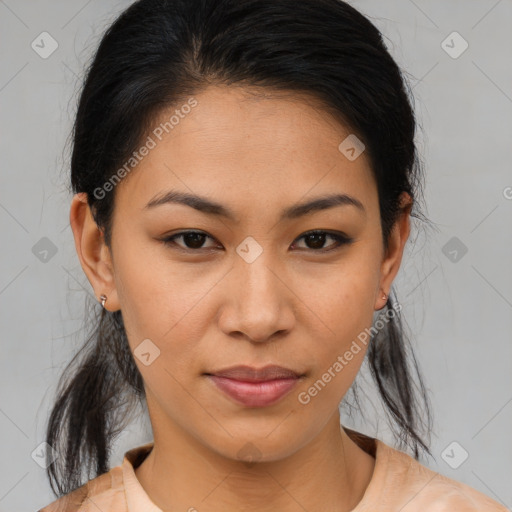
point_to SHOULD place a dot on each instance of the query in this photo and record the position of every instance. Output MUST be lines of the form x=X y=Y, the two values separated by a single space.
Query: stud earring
x=103 y=299
x=385 y=297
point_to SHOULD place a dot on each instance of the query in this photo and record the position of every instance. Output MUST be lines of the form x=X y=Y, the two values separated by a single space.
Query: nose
x=260 y=304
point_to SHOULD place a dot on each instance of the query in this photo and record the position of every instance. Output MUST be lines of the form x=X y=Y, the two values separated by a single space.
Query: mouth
x=254 y=387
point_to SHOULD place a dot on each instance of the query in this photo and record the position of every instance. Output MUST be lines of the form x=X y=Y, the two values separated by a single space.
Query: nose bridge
x=258 y=282
x=257 y=278
x=259 y=300
x=255 y=258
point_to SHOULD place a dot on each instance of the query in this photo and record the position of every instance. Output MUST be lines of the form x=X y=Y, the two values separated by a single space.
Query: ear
x=393 y=257
x=94 y=255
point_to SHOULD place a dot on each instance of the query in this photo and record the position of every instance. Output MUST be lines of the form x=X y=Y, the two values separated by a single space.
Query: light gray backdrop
x=455 y=287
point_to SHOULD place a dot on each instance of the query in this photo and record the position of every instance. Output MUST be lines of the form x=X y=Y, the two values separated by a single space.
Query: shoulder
x=105 y=493
x=417 y=488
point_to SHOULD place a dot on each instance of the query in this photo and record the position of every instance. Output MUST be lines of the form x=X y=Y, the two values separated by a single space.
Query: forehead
x=238 y=145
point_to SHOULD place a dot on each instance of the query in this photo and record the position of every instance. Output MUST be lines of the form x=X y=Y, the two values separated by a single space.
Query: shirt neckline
x=138 y=499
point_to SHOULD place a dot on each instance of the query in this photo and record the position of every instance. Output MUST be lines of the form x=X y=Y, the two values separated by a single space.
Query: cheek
x=170 y=308
x=157 y=309
x=154 y=292
x=344 y=296
x=344 y=307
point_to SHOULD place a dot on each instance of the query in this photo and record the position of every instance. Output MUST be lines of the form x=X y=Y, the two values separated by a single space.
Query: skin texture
x=293 y=306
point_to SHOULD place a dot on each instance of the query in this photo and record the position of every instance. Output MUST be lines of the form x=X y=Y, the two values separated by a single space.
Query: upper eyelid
x=309 y=232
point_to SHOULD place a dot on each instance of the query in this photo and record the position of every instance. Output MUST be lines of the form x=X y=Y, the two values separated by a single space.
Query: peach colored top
x=399 y=483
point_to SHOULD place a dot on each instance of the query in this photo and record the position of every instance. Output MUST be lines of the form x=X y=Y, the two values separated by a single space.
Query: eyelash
x=340 y=239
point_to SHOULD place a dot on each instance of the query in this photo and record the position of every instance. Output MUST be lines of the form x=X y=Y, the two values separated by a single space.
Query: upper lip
x=251 y=374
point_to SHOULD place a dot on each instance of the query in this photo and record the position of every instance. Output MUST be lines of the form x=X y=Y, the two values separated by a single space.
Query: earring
x=385 y=297
x=103 y=299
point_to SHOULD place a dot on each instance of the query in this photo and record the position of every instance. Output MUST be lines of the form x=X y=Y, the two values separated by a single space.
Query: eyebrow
x=210 y=207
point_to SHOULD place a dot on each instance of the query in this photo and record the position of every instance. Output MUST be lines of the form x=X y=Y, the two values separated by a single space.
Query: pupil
x=195 y=238
x=317 y=237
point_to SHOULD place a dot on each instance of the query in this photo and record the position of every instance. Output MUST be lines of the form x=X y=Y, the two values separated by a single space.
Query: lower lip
x=254 y=394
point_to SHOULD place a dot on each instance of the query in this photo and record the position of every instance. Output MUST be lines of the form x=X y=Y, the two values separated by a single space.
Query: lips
x=250 y=374
x=254 y=387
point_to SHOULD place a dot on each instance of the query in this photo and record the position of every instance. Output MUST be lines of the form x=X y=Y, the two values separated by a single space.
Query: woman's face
x=253 y=288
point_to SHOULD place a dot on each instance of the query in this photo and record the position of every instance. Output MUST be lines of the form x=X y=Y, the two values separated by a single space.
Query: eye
x=194 y=240
x=317 y=237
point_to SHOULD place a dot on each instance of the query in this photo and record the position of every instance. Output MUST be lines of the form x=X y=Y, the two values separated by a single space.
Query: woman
x=244 y=176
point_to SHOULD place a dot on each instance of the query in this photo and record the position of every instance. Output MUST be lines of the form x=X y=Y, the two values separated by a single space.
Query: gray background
x=458 y=309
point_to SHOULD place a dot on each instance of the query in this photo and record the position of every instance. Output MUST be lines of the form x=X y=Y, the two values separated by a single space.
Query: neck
x=182 y=474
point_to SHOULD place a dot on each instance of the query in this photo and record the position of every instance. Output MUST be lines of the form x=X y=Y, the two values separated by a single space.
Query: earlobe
x=93 y=253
